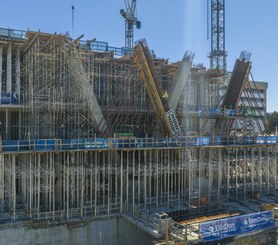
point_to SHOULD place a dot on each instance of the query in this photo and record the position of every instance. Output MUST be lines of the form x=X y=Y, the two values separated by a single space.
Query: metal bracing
x=82 y=183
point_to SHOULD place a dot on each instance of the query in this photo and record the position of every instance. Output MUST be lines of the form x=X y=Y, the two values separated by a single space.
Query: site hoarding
x=234 y=226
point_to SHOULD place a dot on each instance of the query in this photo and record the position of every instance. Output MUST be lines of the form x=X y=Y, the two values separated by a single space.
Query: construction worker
x=165 y=95
x=78 y=44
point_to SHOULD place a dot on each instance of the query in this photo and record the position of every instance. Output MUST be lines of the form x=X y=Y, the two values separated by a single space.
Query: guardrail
x=217 y=112
x=103 y=46
x=12 y=34
x=118 y=143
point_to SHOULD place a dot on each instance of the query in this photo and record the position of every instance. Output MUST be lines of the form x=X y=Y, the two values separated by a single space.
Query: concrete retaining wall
x=106 y=231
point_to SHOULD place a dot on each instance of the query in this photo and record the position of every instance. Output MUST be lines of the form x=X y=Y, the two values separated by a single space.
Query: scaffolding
x=68 y=94
x=63 y=185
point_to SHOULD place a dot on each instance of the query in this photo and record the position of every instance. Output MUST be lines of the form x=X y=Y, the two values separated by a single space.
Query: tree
x=272 y=121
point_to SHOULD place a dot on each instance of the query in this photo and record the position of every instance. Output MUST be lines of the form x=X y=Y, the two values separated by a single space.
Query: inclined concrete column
x=17 y=74
x=9 y=69
x=1 y=61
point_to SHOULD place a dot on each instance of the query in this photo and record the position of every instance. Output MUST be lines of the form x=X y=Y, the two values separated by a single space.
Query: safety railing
x=96 y=45
x=12 y=34
x=122 y=143
x=103 y=46
x=217 y=112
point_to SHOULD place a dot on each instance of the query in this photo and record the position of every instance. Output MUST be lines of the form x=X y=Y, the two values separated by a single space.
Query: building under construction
x=90 y=130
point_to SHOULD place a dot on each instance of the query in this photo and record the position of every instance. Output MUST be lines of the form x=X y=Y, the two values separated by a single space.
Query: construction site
x=93 y=136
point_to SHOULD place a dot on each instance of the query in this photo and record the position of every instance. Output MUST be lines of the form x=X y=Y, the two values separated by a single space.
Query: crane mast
x=129 y=14
x=218 y=54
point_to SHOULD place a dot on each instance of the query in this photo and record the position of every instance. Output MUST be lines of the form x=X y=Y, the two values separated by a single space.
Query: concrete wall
x=116 y=231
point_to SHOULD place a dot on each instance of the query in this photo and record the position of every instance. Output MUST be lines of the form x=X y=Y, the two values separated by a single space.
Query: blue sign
x=223 y=228
x=8 y=98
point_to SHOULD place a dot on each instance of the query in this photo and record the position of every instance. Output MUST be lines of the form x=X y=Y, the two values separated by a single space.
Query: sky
x=170 y=27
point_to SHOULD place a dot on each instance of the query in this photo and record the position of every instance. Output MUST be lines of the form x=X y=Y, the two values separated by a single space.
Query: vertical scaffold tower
x=218 y=54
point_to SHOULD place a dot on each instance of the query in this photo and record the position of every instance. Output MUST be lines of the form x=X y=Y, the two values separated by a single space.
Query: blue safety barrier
x=161 y=142
x=229 y=112
x=214 y=112
x=176 y=142
x=204 y=140
x=66 y=144
x=10 y=145
x=260 y=140
x=234 y=226
x=271 y=139
x=107 y=143
x=139 y=142
x=216 y=141
x=116 y=143
x=249 y=140
x=25 y=145
x=44 y=144
x=8 y=98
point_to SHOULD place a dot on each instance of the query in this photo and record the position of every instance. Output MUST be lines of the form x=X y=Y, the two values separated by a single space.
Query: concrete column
x=157 y=178
x=236 y=173
x=30 y=185
x=145 y=181
x=96 y=183
x=109 y=182
x=121 y=197
x=7 y=124
x=19 y=123
x=1 y=71
x=38 y=191
x=133 y=182
x=220 y=167
x=14 y=186
x=2 y=177
x=17 y=74
x=68 y=185
x=127 y=184
x=9 y=69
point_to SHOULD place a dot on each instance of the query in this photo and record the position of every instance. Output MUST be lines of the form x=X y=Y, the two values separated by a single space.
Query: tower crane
x=218 y=53
x=129 y=15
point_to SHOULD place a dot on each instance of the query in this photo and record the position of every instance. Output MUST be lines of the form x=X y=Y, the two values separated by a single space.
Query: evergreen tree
x=272 y=121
